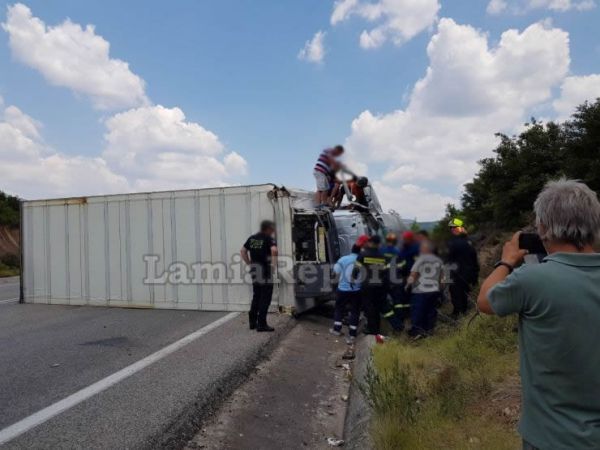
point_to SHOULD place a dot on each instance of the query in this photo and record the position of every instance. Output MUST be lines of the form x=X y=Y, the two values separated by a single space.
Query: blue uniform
x=408 y=254
x=343 y=268
x=390 y=251
x=347 y=295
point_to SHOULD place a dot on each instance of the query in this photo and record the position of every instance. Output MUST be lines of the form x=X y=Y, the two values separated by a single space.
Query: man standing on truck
x=324 y=172
x=260 y=253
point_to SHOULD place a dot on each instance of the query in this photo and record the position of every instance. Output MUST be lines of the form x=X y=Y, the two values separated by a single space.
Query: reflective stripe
x=358 y=263
x=399 y=306
x=370 y=260
x=353 y=327
x=390 y=314
x=337 y=323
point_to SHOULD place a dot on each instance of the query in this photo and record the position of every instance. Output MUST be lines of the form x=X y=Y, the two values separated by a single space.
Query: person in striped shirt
x=325 y=168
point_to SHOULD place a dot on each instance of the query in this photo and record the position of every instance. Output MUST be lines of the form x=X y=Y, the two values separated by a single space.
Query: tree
x=502 y=193
x=9 y=210
x=582 y=134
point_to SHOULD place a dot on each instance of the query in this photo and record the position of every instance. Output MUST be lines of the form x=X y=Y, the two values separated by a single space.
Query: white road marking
x=10 y=300
x=55 y=409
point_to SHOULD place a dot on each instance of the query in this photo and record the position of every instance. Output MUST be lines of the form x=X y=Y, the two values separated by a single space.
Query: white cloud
x=313 y=50
x=395 y=20
x=148 y=147
x=523 y=6
x=469 y=92
x=74 y=57
x=31 y=169
x=561 y=5
x=496 y=6
x=575 y=91
x=342 y=9
x=156 y=148
x=411 y=200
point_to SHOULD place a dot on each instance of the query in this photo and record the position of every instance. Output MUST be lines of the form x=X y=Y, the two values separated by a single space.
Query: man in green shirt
x=558 y=303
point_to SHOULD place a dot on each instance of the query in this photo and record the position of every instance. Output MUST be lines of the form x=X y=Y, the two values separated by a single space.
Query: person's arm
x=245 y=255
x=274 y=254
x=357 y=268
x=511 y=255
x=412 y=279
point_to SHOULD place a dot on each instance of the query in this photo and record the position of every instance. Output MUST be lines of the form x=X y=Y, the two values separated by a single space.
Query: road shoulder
x=296 y=399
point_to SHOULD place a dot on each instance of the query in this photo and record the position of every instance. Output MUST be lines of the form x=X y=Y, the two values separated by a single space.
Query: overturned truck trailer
x=174 y=250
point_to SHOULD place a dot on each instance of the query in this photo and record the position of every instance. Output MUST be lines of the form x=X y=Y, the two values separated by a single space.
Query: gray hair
x=568 y=211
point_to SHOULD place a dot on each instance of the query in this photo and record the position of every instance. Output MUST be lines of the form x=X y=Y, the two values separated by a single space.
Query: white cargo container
x=91 y=250
x=180 y=249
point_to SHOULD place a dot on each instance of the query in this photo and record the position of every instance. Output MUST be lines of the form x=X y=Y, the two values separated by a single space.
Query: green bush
x=9 y=210
x=390 y=392
x=10 y=260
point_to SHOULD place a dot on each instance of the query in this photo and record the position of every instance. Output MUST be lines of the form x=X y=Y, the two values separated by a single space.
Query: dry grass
x=447 y=391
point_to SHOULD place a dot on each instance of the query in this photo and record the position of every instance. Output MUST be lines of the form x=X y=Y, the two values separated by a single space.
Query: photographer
x=558 y=303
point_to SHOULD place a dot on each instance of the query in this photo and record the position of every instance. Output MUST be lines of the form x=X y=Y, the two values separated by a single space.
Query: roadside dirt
x=503 y=404
x=9 y=241
x=295 y=400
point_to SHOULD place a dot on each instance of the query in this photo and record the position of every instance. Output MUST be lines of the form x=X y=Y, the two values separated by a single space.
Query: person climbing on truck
x=260 y=253
x=324 y=172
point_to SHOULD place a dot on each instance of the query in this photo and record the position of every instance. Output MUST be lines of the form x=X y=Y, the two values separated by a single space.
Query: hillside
x=459 y=389
x=9 y=235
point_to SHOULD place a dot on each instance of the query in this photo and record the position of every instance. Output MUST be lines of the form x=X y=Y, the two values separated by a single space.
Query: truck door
x=316 y=248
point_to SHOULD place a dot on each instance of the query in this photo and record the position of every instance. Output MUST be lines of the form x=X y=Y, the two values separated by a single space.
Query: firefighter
x=408 y=253
x=393 y=311
x=372 y=270
x=464 y=267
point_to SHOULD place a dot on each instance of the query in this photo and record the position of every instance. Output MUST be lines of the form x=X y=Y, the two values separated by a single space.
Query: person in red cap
x=362 y=240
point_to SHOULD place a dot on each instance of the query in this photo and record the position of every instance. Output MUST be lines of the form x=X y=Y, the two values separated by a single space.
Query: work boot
x=264 y=328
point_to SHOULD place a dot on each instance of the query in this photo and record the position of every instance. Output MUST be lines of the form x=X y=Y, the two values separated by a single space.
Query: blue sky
x=232 y=68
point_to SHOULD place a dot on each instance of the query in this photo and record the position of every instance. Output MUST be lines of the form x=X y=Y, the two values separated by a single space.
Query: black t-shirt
x=259 y=245
x=463 y=256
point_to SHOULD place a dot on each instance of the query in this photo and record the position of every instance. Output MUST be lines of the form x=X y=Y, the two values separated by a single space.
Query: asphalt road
x=9 y=290
x=51 y=352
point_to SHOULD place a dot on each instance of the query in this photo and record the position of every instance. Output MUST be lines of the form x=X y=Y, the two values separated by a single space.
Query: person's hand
x=511 y=253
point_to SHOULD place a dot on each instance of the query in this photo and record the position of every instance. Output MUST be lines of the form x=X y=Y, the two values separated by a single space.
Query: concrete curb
x=189 y=422
x=358 y=414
